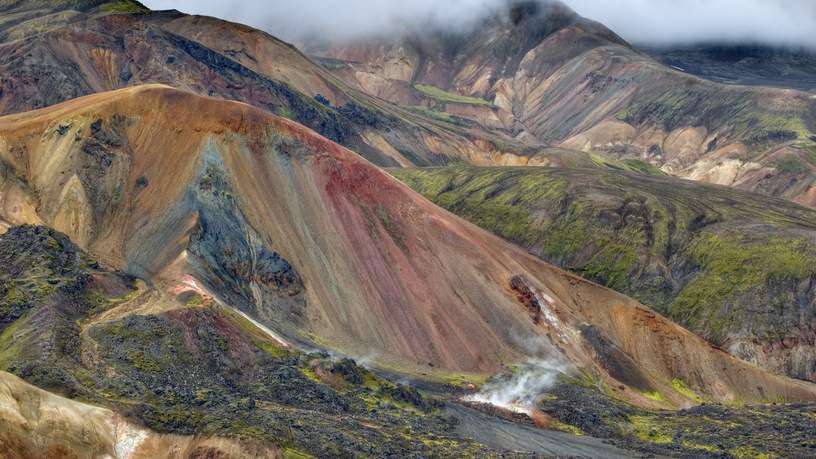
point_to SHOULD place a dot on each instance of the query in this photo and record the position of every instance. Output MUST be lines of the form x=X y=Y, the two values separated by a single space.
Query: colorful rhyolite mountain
x=543 y=74
x=209 y=244
x=194 y=193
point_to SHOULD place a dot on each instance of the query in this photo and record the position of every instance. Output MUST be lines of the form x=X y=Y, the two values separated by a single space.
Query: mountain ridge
x=50 y=58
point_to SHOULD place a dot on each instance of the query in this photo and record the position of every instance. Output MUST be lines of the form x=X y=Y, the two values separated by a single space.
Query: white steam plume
x=520 y=391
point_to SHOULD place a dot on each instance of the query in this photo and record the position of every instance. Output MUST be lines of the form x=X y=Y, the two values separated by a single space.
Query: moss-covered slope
x=735 y=267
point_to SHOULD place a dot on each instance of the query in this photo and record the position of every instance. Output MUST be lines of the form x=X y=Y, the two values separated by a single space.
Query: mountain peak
x=522 y=10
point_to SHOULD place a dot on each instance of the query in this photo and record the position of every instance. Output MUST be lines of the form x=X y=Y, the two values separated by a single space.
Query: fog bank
x=777 y=22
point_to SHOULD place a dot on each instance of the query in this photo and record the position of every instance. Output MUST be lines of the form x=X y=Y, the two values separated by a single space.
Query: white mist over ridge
x=520 y=391
x=790 y=23
x=773 y=22
x=295 y=20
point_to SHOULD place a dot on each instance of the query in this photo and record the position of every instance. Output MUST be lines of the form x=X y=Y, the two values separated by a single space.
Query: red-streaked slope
x=322 y=246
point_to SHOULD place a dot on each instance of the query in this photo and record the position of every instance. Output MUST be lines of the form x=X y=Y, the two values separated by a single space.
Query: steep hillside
x=261 y=214
x=183 y=364
x=737 y=268
x=545 y=75
x=54 y=51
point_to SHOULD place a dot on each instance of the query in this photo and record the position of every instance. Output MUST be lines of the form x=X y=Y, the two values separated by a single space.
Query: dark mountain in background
x=746 y=64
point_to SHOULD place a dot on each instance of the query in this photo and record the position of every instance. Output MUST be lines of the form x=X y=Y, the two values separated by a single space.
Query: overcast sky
x=789 y=22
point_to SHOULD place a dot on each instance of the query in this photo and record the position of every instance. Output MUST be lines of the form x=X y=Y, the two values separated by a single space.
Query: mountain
x=193 y=193
x=55 y=51
x=201 y=256
x=242 y=237
x=734 y=267
x=547 y=76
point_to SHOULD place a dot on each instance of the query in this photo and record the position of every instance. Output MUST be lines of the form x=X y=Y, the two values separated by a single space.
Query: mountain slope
x=320 y=246
x=544 y=74
x=181 y=364
x=734 y=267
x=54 y=51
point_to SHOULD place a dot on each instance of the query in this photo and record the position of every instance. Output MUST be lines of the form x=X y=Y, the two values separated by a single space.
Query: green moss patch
x=447 y=96
x=123 y=6
x=733 y=267
x=680 y=386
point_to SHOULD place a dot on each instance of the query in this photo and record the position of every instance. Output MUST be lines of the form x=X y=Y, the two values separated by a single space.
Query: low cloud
x=661 y=22
x=345 y=19
x=778 y=22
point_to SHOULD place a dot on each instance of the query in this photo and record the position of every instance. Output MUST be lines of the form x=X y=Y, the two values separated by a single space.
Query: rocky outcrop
x=39 y=424
x=709 y=430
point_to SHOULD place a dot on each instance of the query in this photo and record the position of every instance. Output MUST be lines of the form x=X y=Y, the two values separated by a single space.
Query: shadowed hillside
x=751 y=64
